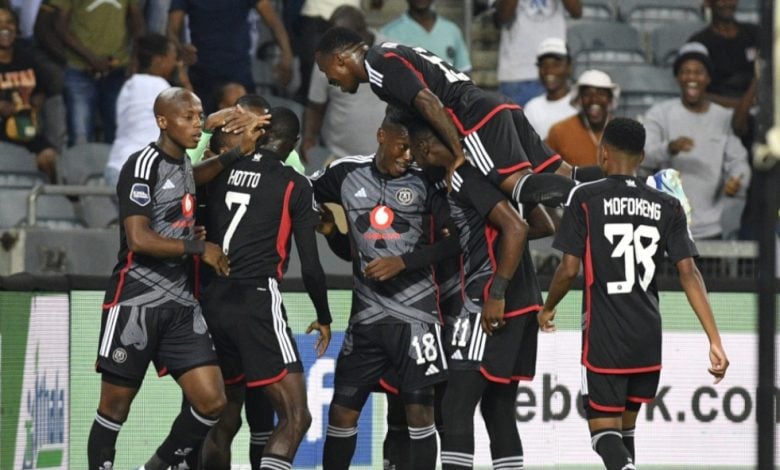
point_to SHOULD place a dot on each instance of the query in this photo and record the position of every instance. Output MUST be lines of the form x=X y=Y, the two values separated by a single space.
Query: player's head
x=178 y=113
x=339 y=55
x=427 y=148
x=693 y=69
x=283 y=132
x=227 y=94
x=156 y=55
x=393 y=156
x=622 y=145
x=8 y=27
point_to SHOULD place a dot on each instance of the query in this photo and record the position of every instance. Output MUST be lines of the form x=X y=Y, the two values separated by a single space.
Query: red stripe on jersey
x=492 y=377
x=639 y=399
x=285 y=227
x=121 y=282
x=409 y=65
x=523 y=378
x=491 y=233
x=433 y=273
x=513 y=168
x=388 y=388
x=626 y=371
x=272 y=380
x=523 y=311
x=482 y=121
x=235 y=380
x=606 y=409
x=540 y=168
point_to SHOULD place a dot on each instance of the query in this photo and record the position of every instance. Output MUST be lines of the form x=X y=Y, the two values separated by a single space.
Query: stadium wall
x=49 y=390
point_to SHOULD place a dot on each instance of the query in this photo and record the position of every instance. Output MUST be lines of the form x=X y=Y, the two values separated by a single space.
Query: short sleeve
x=392 y=73
x=477 y=192
x=679 y=242
x=135 y=189
x=303 y=207
x=572 y=233
x=327 y=183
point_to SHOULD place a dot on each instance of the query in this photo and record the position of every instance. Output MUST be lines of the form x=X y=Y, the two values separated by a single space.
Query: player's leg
x=260 y=417
x=341 y=437
x=464 y=390
x=422 y=428
x=116 y=395
x=604 y=400
x=288 y=398
x=628 y=423
x=395 y=449
x=641 y=388
x=498 y=411
x=215 y=451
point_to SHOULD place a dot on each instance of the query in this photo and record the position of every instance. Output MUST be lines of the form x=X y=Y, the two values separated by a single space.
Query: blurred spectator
x=227 y=94
x=313 y=22
x=693 y=135
x=577 y=138
x=50 y=54
x=155 y=13
x=157 y=60
x=524 y=25
x=345 y=124
x=554 y=63
x=97 y=35
x=21 y=97
x=219 y=51
x=26 y=10
x=733 y=48
x=420 y=26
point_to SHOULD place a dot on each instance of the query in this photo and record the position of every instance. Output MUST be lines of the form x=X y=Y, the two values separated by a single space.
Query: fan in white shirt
x=554 y=64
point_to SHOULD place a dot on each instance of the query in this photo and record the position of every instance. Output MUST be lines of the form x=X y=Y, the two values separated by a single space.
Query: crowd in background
x=76 y=71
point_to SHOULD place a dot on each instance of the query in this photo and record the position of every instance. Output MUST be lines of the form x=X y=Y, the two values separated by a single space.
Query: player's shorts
x=606 y=395
x=543 y=159
x=412 y=350
x=248 y=323
x=176 y=339
x=507 y=355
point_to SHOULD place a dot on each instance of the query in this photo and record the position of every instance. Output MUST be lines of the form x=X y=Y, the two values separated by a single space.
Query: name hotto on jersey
x=632 y=206
x=249 y=179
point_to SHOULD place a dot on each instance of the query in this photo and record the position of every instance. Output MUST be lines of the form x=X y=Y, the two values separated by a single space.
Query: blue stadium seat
x=596 y=43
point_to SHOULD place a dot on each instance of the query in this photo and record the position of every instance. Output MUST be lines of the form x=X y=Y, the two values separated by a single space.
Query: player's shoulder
x=139 y=164
x=587 y=190
x=343 y=165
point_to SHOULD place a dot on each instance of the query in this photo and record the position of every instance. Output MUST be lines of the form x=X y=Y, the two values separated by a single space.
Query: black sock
x=339 y=447
x=260 y=417
x=395 y=447
x=422 y=447
x=101 y=446
x=275 y=462
x=257 y=442
x=497 y=407
x=628 y=441
x=464 y=390
x=188 y=431
x=608 y=443
x=543 y=188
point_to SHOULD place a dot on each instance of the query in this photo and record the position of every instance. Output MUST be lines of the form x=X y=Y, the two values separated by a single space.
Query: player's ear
x=162 y=122
x=380 y=136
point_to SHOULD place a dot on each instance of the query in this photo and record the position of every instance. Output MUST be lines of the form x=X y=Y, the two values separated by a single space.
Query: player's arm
x=431 y=108
x=540 y=222
x=337 y=241
x=559 y=286
x=208 y=169
x=693 y=285
x=283 y=69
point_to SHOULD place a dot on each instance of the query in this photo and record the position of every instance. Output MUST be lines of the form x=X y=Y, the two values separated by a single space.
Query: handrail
x=64 y=190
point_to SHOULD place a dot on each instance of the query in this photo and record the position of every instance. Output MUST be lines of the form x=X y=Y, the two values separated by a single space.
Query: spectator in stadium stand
x=621 y=346
x=152 y=285
x=420 y=26
x=576 y=138
x=97 y=37
x=313 y=22
x=491 y=341
x=220 y=42
x=554 y=64
x=524 y=25
x=694 y=136
x=394 y=321
x=51 y=50
x=21 y=97
x=157 y=60
x=345 y=124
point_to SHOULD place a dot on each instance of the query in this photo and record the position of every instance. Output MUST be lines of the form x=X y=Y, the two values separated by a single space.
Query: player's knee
x=212 y=405
x=301 y=420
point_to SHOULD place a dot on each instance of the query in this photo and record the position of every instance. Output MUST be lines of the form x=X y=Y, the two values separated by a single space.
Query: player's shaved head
x=338 y=39
x=171 y=99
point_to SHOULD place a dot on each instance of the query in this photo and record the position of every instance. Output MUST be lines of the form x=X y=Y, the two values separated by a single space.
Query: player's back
x=250 y=212
x=628 y=227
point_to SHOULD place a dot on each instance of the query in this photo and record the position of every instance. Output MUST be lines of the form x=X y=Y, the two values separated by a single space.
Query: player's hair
x=419 y=128
x=253 y=100
x=148 y=47
x=395 y=116
x=284 y=125
x=626 y=135
x=337 y=39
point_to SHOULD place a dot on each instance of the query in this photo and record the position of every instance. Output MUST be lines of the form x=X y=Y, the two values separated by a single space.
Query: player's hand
x=214 y=257
x=382 y=269
x=719 y=362
x=492 y=315
x=327 y=222
x=323 y=340
x=200 y=232
x=680 y=144
x=252 y=133
x=545 y=319
x=732 y=186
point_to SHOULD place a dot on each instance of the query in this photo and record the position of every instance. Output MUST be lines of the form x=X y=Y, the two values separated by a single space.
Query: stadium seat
x=18 y=168
x=53 y=211
x=641 y=86
x=595 y=43
x=598 y=10
x=98 y=211
x=666 y=41
x=79 y=163
x=748 y=11
x=647 y=15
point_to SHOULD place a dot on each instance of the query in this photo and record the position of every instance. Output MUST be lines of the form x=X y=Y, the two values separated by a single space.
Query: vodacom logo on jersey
x=381 y=219
x=188 y=205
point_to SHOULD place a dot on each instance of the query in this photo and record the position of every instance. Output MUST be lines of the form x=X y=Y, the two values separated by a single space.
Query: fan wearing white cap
x=554 y=64
x=577 y=138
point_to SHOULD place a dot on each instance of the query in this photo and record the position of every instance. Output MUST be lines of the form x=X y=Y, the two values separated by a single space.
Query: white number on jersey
x=452 y=74
x=629 y=247
x=428 y=351
x=242 y=199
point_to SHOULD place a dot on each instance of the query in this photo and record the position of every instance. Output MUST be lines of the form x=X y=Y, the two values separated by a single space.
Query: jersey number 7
x=629 y=247
x=242 y=199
